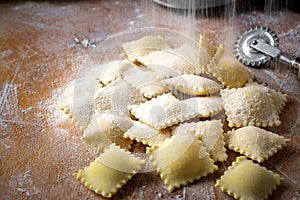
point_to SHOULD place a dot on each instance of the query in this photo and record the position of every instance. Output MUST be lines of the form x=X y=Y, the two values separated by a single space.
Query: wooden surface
x=40 y=150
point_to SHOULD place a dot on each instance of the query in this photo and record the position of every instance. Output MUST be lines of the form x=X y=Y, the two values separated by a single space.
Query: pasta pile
x=172 y=100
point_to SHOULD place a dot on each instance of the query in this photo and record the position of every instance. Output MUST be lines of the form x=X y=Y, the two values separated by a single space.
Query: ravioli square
x=114 y=70
x=184 y=60
x=205 y=106
x=137 y=48
x=193 y=84
x=228 y=70
x=116 y=97
x=146 y=82
x=162 y=72
x=252 y=105
x=180 y=160
x=279 y=100
x=248 y=180
x=110 y=171
x=256 y=143
x=106 y=128
x=211 y=135
x=146 y=134
x=162 y=111
x=207 y=45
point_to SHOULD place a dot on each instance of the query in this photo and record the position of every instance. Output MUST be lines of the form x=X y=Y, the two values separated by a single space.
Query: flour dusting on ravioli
x=227 y=69
x=163 y=111
x=146 y=134
x=256 y=143
x=143 y=46
x=193 y=85
x=184 y=60
x=117 y=96
x=114 y=70
x=210 y=133
x=250 y=105
x=205 y=106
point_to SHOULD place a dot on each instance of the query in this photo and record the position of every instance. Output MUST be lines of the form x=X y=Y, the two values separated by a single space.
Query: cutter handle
x=295 y=63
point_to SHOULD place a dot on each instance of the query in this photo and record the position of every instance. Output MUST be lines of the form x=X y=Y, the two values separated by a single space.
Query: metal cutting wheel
x=258 y=45
x=248 y=55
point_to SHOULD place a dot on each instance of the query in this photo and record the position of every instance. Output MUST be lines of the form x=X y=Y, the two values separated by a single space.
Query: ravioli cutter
x=258 y=45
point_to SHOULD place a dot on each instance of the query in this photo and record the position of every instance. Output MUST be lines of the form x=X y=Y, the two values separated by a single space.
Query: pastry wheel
x=258 y=45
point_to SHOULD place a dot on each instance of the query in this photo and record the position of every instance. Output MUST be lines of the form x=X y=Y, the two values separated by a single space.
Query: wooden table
x=39 y=55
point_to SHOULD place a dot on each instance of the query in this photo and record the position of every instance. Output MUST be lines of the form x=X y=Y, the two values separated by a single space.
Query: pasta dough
x=162 y=72
x=146 y=134
x=146 y=82
x=114 y=70
x=210 y=133
x=206 y=44
x=143 y=46
x=110 y=171
x=107 y=128
x=250 y=105
x=163 y=111
x=247 y=180
x=228 y=70
x=205 y=106
x=193 y=84
x=256 y=143
x=117 y=96
x=181 y=160
x=184 y=60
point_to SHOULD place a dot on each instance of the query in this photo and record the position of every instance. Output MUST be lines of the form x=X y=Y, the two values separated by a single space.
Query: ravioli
x=184 y=60
x=146 y=82
x=256 y=143
x=110 y=171
x=193 y=85
x=163 y=111
x=143 y=46
x=205 y=106
x=162 y=72
x=247 y=180
x=117 y=96
x=206 y=44
x=78 y=97
x=146 y=134
x=250 y=105
x=153 y=89
x=228 y=70
x=107 y=128
x=67 y=111
x=180 y=160
x=114 y=70
x=279 y=100
x=210 y=133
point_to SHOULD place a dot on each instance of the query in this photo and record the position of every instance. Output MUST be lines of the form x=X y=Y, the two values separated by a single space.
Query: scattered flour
x=76 y=96
x=26 y=185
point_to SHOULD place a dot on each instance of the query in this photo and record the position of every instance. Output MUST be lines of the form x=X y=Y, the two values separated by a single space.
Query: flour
x=27 y=110
x=26 y=185
x=9 y=94
x=6 y=146
x=4 y=54
x=62 y=133
x=60 y=97
x=85 y=42
x=76 y=97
